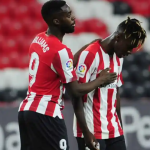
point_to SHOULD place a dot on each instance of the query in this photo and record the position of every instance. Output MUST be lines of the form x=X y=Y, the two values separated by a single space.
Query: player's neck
x=55 y=32
x=107 y=46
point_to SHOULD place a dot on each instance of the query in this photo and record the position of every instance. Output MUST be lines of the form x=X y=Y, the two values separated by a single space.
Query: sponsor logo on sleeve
x=81 y=70
x=69 y=64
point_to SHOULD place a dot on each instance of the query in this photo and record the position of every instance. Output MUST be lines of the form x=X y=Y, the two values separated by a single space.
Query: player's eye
x=69 y=14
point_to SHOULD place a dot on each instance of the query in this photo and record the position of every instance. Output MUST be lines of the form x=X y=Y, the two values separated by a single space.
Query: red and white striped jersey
x=51 y=65
x=100 y=104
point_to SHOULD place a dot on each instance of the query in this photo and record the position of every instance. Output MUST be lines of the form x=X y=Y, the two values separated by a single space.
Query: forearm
x=79 y=112
x=84 y=88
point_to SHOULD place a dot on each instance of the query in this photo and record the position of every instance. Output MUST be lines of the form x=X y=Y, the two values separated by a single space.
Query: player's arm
x=77 y=54
x=118 y=109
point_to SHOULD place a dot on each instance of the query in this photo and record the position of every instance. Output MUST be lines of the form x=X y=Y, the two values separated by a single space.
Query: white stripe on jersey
x=43 y=104
x=113 y=120
x=103 y=112
x=63 y=56
x=57 y=112
x=30 y=100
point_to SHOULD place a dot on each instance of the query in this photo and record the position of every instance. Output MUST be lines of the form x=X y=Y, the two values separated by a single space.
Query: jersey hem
x=47 y=113
x=99 y=136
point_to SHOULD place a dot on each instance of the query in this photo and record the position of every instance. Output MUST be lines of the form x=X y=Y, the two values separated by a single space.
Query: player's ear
x=56 y=21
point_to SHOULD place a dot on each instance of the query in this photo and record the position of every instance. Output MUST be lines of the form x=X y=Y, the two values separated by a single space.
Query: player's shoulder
x=93 y=48
x=51 y=41
x=56 y=45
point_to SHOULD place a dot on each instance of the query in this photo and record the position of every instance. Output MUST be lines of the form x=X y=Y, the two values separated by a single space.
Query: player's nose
x=73 y=17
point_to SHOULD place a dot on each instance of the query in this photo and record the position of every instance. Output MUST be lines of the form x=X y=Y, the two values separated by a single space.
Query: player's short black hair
x=132 y=29
x=51 y=7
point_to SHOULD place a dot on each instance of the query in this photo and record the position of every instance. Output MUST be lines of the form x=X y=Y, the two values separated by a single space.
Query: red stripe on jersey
x=101 y=65
x=117 y=120
x=50 y=108
x=85 y=98
x=109 y=114
x=74 y=76
x=79 y=131
x=62 y=115
x=96 y=113
x=111 y=65
x=35 y=103
x=23 y=105
x=118 y=61
x=121 y=78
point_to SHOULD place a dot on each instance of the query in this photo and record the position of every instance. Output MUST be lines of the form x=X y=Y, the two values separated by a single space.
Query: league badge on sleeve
x=81 y=70
x=69 y=64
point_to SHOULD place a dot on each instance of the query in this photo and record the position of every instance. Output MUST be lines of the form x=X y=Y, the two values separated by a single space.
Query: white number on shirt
x=33 y=67
x=63 y=144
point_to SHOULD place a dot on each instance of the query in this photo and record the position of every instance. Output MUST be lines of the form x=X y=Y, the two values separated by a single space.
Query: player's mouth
x=73 y=24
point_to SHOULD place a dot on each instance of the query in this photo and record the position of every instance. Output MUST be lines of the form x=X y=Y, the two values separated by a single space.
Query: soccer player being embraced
x=41 y=123
x=102 y=105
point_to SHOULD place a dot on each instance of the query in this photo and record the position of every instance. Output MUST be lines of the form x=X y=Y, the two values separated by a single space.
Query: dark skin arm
x=79 y=112
x=118 y=107
x=88 y=136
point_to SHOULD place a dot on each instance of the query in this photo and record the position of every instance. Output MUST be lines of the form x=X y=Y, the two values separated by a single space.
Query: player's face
x=67 y=20
x=123 y=48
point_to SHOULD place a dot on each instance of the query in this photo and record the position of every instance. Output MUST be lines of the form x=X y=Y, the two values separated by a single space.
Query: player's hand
x=106 y=77
x=90 y=141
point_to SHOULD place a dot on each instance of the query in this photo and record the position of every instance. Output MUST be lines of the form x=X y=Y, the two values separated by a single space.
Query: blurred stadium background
x=20 y=21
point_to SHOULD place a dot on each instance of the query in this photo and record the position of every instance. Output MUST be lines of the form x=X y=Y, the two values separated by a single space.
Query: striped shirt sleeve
x=86 y=66
x=63 y=65
x=120 y=79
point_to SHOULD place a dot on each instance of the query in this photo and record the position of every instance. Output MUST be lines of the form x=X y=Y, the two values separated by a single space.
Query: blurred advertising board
x=135 y=116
